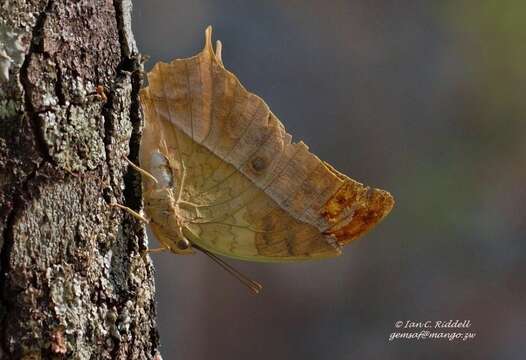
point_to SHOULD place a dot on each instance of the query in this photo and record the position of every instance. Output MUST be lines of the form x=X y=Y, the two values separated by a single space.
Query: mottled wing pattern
x=258 y=195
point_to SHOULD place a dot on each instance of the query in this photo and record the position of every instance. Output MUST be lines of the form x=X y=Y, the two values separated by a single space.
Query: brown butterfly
x=222 y=175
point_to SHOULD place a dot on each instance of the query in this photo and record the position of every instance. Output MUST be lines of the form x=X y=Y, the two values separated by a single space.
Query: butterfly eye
x=183 y=244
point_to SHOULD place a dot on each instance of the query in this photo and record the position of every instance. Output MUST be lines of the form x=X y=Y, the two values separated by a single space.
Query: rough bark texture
x=73 y=281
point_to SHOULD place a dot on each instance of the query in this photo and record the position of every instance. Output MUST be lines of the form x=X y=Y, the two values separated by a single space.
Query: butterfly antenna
x=252 y=285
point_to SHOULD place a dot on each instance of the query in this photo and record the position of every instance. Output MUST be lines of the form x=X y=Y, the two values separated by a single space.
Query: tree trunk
x=74 y=281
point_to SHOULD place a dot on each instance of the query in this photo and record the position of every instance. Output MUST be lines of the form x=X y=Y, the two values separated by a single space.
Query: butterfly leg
x=156 y=250
x=181 y=186
x=142 y=171
x=132 y=212
x=189 y=204
x=168 y=154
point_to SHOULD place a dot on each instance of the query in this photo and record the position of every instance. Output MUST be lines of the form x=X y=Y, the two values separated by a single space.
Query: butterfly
x=222 y=175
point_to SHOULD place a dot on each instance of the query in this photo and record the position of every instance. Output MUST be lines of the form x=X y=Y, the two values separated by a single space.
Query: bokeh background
x=422 y=98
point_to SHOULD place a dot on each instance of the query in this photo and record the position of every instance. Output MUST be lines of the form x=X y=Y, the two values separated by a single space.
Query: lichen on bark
x=74 y=282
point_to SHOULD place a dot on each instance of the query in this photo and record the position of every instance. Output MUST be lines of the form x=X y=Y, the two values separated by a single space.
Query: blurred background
x=422 y=98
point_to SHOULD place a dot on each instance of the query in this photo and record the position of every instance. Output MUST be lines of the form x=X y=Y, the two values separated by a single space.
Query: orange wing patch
x=354 y=209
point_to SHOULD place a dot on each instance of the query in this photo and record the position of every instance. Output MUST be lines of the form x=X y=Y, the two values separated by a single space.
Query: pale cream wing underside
x=258 y=195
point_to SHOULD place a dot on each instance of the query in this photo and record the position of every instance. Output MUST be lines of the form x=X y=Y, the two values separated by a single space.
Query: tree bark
x=74 y=282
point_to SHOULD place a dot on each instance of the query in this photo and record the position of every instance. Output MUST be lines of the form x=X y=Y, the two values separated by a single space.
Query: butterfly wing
x=249 y=191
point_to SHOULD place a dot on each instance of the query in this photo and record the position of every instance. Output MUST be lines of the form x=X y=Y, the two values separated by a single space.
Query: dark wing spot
x=258 y=164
